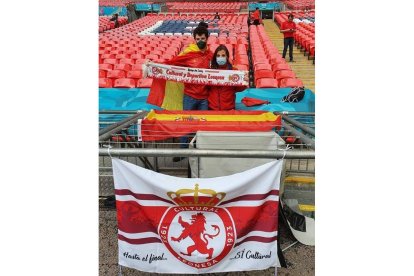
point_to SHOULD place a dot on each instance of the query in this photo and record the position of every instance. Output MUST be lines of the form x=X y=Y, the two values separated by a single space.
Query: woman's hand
x=246 y=76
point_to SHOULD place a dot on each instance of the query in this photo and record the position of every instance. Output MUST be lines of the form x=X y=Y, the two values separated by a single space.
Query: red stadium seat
x=120 y=56
x=144 y=83
x=260 y=74
x=262 y=66
x=136 y=74
x=137 y=67
x=105 y=56
x=126 y=61
x=102 y=73
x=110 y=61
x=241 y=67
x=136 y=56
x=116 y=74
x=124 y=83
x=106 y=66
x=291 y=83
x=281 y=66
x=266 y=83
x=284 y=74
x=105 y=83
x=124 y=67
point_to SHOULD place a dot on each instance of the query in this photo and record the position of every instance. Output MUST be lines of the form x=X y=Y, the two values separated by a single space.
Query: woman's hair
x=214 y=64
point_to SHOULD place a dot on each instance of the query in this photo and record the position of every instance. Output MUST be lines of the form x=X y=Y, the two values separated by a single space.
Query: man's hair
x=257 y=8
x=200 y=30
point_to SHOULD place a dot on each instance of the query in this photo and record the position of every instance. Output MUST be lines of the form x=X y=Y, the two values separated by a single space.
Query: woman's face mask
x=221 y=60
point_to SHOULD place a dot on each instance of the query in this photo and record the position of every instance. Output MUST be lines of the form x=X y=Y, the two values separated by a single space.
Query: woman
x=223 y=97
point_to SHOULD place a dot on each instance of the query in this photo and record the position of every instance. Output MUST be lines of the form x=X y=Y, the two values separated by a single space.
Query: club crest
x=196 y=231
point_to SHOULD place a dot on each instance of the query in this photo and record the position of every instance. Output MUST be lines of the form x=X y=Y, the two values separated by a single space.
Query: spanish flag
x=169 y=94
x=164 y=124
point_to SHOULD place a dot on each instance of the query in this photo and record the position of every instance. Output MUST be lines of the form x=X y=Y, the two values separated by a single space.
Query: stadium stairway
x=303 y=68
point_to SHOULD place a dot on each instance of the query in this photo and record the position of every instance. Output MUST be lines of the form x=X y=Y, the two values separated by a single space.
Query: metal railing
x=120 y=139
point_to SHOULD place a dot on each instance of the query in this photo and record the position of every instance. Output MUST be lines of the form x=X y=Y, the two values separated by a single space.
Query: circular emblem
x=198 y=236
x=156 y=71
x=234 y=78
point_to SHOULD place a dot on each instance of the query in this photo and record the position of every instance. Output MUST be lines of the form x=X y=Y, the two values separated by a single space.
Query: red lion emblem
x=195 y=230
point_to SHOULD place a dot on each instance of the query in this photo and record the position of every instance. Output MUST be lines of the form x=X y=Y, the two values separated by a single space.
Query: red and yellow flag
x=164 y=124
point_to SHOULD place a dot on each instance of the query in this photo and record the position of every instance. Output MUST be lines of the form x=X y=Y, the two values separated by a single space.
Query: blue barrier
x=147 y=7
x=135 y=99
x=121 y=11
x=264 y=6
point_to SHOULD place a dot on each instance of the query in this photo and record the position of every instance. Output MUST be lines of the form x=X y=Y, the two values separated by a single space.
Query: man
x=256 y=17
x=288 y=28
x=115 y=18
x=195 y=95
x=217 y=16
x=196 y=55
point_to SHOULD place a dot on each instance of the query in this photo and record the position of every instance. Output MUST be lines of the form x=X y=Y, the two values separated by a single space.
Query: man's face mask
x=201 y=44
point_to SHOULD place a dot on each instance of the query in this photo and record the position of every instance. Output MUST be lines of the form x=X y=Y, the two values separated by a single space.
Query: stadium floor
x=303 y=68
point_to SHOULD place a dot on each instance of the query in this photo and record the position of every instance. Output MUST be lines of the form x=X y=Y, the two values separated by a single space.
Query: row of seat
x=122 y=52
x=106 y=24
x=300 y=4
x=112 y=3
x=270 y=69
x=204 y=7
x=305 y=39
x=229 y=26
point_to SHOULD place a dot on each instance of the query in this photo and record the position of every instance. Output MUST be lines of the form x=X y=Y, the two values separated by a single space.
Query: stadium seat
x=126 y=61
x=110 y=61
x=106 y=66
x=136 y=74
x=144 y=83
x=124 y=83
x=284 y=74
x=281 y=66
x=260 y=74
x=115 y=74
x=121 y=56
x=241 y=67
x=102 y=73
x=124 y=67
x=290 y=82
x=266 y=83
x=262 y=66
x=105 y=56
x=105 y=83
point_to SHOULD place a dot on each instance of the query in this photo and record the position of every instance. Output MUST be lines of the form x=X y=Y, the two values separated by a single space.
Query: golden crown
x=196 y=197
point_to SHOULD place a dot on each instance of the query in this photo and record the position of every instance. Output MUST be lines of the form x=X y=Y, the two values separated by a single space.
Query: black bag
x=296 y=95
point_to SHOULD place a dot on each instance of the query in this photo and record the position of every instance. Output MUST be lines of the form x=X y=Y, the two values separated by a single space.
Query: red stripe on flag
x=255 y=218
x=257 y=239
x=134 y=218
x=139 y=241
x=141 y=196
x=251 y=197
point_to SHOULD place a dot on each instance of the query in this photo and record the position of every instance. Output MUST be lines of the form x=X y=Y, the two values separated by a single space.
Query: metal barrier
x=120 y=139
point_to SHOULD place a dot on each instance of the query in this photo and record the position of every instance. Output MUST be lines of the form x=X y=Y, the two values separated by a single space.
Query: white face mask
x=221 y=60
